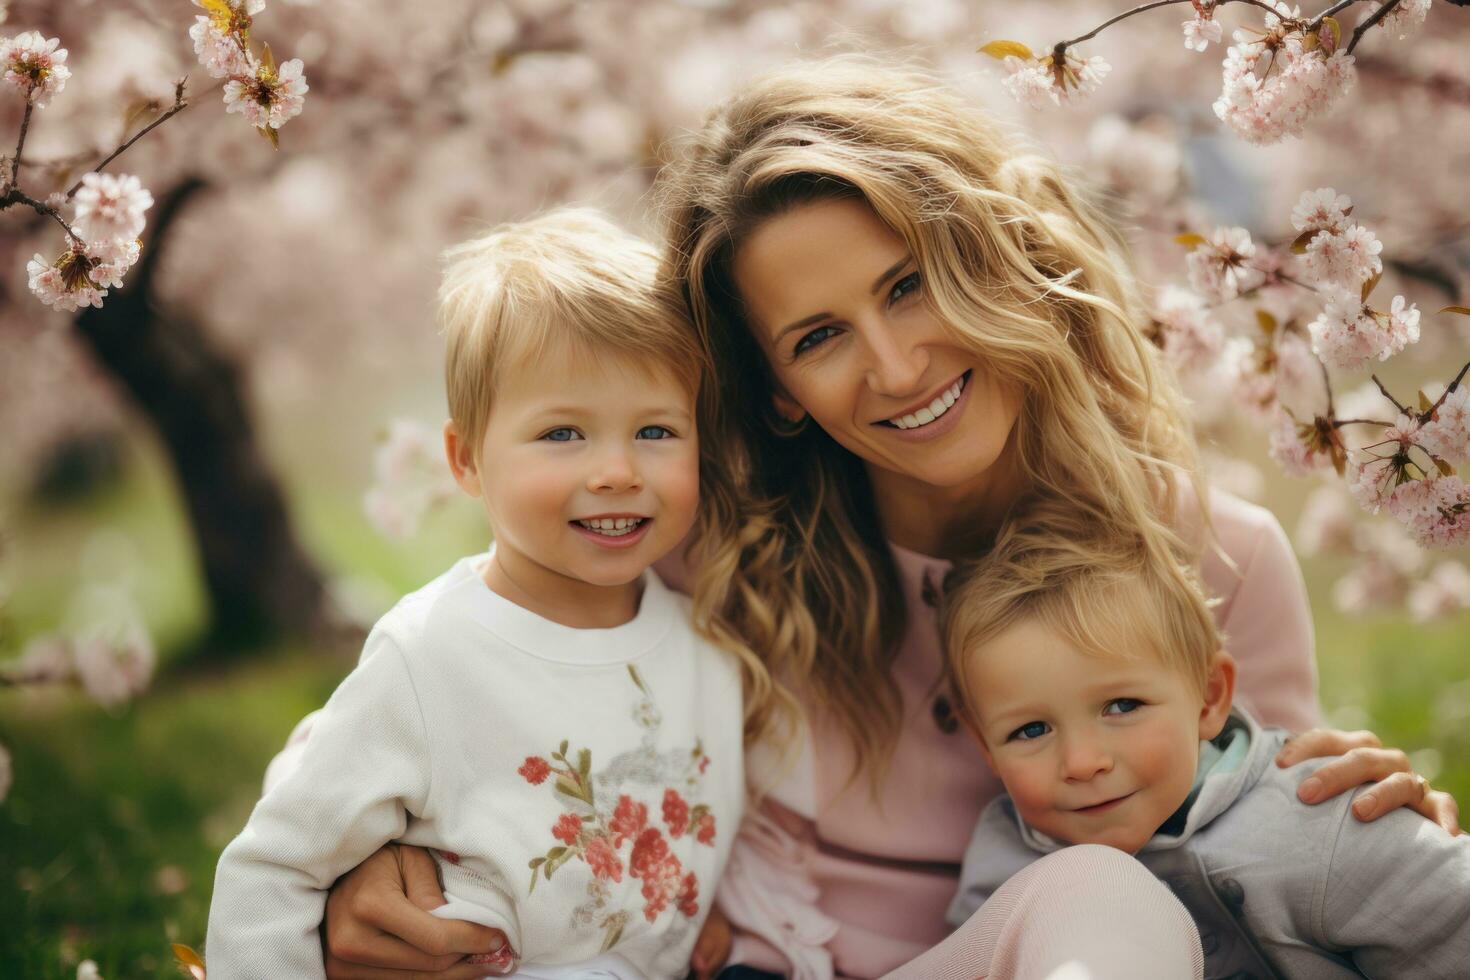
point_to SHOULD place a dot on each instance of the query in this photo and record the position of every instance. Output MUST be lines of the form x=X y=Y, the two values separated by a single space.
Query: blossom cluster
x=107 y=650
x=1052 y=79
x=1427 y=498
x=34 y=64
x=266 y=95
x=1274 y=80
x=411 y=479
x=109 y=217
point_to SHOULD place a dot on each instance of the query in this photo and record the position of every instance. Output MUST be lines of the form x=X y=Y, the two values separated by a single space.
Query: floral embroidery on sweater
x=612 y=838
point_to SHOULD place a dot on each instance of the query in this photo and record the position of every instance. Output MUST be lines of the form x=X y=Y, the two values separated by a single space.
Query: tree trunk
x=260 y=582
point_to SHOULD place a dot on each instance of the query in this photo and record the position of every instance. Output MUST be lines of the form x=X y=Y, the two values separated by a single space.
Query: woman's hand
x=1365 y=760
x=712 y=948
x=378 y=926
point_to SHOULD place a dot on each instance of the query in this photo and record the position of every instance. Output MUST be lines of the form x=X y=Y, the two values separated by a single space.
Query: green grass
x=109 y=838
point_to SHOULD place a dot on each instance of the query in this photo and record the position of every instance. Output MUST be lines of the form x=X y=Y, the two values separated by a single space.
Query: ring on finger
x=1423 y=785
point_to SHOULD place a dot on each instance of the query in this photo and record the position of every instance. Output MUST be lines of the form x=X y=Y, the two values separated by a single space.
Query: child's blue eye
x=655 y=432
x=813 y=339
x=1124 y=706
x=908 y=284
x=563 y=434
x=1029 y=731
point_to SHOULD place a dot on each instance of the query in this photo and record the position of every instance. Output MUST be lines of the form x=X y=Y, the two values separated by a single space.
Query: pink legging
x=1082 y=913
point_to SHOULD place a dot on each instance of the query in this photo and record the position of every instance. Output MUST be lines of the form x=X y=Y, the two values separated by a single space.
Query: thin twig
x=1339 y=423
x=15 y=196
x=25 y=124
x=1332 y=11
x=1362 y=28
x=179 y=106
x=1396 y=404
x=1060 y=48
x=1440 y=400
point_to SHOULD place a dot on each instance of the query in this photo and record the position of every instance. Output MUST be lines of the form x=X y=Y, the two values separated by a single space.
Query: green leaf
x=536 y=862
x=563 y=749
x=637 y=679
x=1300 y=243
x=1190 y=239
x=584 y=762
x=1462 y=310
x=614 y=933
x=1424 y=403
x=1001 y=50
x=1332 y=25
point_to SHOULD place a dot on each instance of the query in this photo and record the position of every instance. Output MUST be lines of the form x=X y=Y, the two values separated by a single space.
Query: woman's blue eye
x=563 y=434
x=906 y=285
x=1124 y=706
x=655 y=432
x=812 y=339
x=1029 y=731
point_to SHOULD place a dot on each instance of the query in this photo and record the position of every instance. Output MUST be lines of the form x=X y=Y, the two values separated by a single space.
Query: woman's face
x=836 y=301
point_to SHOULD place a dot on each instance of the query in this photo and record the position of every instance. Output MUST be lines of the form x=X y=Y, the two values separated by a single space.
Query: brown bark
x=259 y=581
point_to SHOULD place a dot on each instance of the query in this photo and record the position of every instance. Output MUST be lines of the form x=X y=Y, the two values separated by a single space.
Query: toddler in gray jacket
x=1093 y=677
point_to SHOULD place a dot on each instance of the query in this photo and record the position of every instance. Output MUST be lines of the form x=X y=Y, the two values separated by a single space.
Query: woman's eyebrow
x=807 y=321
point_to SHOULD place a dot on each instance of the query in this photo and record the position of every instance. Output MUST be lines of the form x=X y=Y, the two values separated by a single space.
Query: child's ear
x=461 y=457
x=1219 y=693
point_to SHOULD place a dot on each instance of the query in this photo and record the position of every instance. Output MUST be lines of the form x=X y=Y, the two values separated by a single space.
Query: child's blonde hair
x=569 y=276
x=1104 y=596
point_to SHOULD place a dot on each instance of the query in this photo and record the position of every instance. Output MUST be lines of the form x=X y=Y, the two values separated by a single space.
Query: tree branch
x=179 y=106
x=15 y=196
x=1339 y=423
x=1401 y=408
x=1332 y=11
x=25 y=124
x=1372 y=21
x=1440 y=400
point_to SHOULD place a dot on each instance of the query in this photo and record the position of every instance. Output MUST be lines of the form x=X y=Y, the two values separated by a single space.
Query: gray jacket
x=1278 y=888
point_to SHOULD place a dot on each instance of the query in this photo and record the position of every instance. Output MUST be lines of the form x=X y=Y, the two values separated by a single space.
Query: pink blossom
x=1221 y=269
x=1290 y=450
x=35 y=65
x=1447 y=434
x=268 y=99
x=1347 y=258
x=1443 y=592
x=64 y=284
x=1443 y=520
x=1321 y=210
x=1191 y=340
x=111 y=206
x=1039 y=81
x=1401 y=328
x=221 y=54
x=114 y=667
x=1388 y=560
x=1404 y=19
x=1267 y=95
x=411 y=479
x=87 y=970
x=1346 y=335
x=1300 y=387
x=1370 y=479
x=45 y=660
x=1199 y=32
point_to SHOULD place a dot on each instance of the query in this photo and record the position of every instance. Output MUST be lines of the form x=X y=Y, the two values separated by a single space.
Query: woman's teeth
x=613 y=527
x=933 y=410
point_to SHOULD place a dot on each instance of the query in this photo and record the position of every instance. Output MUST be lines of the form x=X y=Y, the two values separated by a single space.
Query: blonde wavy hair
x=790 y=558
x=1105 y=597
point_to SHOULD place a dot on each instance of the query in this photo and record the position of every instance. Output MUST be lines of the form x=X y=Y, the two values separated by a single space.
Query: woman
x=919 y=328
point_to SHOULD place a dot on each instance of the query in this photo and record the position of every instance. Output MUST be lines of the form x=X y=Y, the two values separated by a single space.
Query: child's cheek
x=1029 y=786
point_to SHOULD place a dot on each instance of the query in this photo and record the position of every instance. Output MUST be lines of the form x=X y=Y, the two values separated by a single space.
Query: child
x=542 y=716
x=1095 y=683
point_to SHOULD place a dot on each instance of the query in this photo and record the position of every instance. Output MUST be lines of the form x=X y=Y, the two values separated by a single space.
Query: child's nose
x=1084 y=758
x=614 y=474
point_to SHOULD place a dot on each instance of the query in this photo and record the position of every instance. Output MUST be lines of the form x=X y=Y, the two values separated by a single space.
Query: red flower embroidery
x=568 y=826
x=688 y=895
x=602 y=859
x=628 y=820
x=676 y=813
x=535 y=770
x=449 y=856
x=660 y=883
x=649 y=852
x=703 y=765
x=704 y=830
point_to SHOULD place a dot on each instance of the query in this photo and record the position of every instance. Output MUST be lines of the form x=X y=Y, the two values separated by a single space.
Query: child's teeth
x=613 y=527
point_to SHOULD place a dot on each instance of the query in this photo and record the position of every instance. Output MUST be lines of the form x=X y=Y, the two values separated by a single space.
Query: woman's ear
x=786 y=406
x=461 y=457
x=1219 y=695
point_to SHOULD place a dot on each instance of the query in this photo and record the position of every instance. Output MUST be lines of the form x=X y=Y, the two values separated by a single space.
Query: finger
x=1357 y=766
x=399 y=917
x=379 y=949
x=341 y=970
x=1321 y=742
x=1396 y=790
x=1442 y=809
x=420 y=877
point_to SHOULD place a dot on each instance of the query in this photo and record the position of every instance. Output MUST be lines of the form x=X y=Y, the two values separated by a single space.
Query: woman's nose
x=897 y=364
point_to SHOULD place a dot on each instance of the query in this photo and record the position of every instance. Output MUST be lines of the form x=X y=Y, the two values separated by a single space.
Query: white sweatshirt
x=580 y=788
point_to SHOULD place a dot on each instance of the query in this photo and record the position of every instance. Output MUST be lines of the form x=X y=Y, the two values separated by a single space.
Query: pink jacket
x=883 y=873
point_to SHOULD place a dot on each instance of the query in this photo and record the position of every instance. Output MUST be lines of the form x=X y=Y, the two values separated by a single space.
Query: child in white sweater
x=542 y=716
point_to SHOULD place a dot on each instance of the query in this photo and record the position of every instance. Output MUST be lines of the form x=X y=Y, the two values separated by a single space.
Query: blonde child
x=1093 y=678
x=542 y=716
